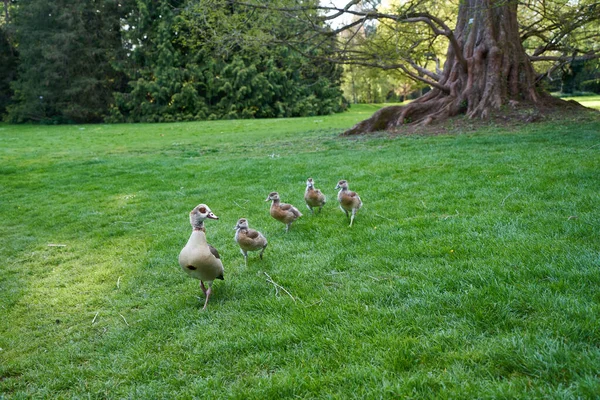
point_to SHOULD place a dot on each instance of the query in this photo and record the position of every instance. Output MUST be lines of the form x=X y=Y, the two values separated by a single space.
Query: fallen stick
x=510 y=194
x=278 y=286
x=314 y=304
x=381 y=216
x=236 y=203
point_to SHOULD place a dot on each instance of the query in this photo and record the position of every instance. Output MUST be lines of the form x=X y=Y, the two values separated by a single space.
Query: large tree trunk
x=486 y=68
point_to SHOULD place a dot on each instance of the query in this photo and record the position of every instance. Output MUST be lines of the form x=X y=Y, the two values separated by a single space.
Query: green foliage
x=569 y=29
x=368 y=85
x=66 y=49
x=8 y=69
x=185 y=68
x=162 y=85
x=156 y=61
x=581 y=76
x=392 y=43
x=472 y=270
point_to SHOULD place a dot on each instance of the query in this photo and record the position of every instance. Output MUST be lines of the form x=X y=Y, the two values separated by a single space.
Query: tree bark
x=486 y=68
x=6 y=12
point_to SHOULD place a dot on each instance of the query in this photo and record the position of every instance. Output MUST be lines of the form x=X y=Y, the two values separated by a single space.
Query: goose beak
x=212 y=216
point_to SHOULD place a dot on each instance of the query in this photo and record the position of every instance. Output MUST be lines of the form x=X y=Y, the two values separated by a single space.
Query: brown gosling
x=313 y=197
x=199 y=259
x=283 y=212
x=350 y=202
x=249 y=239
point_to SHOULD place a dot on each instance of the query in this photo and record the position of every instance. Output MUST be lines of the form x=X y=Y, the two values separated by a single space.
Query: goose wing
x=214 y=252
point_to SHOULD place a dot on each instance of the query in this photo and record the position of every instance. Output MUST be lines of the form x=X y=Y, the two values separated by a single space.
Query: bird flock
x=201 y=261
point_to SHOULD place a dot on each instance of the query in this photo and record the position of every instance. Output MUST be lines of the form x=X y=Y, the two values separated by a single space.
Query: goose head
x=241 y=224
x=342 y=185
x=273 y=196
x=199 y=214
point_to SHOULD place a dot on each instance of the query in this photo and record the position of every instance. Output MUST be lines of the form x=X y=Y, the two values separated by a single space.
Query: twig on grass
x=126 y=323
x=507 y=196
x=236 y=203
x=378 y=279
x=446 y=216
x=278 y=286
x=95 y=316
x=119 y=283
x=316 y=303
x=381 y=216
x=56 y=245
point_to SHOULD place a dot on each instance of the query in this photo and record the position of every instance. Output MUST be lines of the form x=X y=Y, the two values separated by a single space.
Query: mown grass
x=588 y=101
x=472 y=270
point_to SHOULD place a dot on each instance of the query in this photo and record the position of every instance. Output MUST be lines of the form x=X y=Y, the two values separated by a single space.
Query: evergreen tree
x=158 y=60
x=201 y=59
x=66 y=49
x=8 y=69
x=161 y=83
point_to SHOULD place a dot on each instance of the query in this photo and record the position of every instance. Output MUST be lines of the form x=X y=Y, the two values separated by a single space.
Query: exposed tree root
x=419 y=115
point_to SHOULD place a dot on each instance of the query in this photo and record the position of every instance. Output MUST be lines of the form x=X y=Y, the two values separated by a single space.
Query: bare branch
x=342 y=11
x=404 y=69
x=569 y=58
x=554 y=29
x=424 y=71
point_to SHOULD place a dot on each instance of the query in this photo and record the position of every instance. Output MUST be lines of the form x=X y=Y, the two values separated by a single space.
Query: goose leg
x=262 y=251
x=352 y=218
x=203 y=287
x=208 y=292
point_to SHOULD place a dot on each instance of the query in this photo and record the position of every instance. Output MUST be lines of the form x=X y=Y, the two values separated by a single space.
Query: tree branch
x=341 y=11
x=584 y=57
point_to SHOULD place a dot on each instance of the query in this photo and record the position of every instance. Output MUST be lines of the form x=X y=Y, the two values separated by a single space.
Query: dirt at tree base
x=509 y=118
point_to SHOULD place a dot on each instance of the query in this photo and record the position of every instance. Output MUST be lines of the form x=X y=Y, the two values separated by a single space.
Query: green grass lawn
x=588 y=101
x=472 y=270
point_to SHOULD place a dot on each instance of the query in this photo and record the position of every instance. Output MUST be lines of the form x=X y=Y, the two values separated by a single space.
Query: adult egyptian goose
x=349 y=201
x=282 y=212
x=199 y=259
x=249 y=239
x=313 y=197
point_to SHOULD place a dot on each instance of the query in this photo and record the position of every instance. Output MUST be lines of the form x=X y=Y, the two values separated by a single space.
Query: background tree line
x=154 y=60
x=171 y=60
